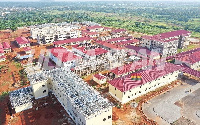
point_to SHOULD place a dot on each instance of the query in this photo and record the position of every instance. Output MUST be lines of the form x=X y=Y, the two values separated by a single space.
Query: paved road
x=162 y=108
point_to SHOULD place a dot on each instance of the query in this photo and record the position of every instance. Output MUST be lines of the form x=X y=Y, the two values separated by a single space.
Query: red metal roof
x=1 y=46
x=80 y=39
x=63 y=55
x=132 y=67
x=118 y=39
x=1 y=51
x=118 y=30
x=94 y=52
x=174 y=33
x=190 y=58
x=94 y=27
x=139 y=49
x=6 y=45
x=99 y=77
x=168 y=36
x=22 y=40
x=1 y=57
x=125 y=83
x=106 y=44
x=127 y=42
x=27 y=49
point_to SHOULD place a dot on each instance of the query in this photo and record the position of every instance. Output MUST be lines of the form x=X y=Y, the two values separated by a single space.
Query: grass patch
x=17 y=65
x=191 y=46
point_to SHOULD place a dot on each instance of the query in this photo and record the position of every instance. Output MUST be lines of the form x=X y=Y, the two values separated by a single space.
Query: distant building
x=73 y=41
x=48 y=33
x=95 y=28
x=119 y=33
x=166 y=43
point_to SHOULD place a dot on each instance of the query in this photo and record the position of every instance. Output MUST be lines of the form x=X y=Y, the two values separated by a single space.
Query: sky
x=94 y=0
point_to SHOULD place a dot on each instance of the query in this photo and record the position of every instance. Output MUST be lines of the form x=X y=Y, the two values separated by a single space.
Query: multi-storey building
x=166 y=43
x=83 y=104
x=48 y=33
x=74 y=41
x=133 y=85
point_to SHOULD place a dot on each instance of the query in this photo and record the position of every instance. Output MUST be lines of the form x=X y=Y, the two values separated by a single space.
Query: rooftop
x=6 y=45
x=63 y=54
x=22 y=40
x=118 y=39
x=131 y=67
x=94 y=27
x=99 y=77
x=94 y=52
x=109 y=45
x=141 y=50
x=118 y=30
x=1 y=51
x=1 y=46
x=27 y=49
x=21 y=96
x=80 y=39
x=127 y=42
x=190 y=58
x=125 y=83
x=168 y=36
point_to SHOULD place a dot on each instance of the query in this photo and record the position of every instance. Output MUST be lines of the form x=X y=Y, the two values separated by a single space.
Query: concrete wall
x=40 y=89
x=105 y=118
x=23 y=107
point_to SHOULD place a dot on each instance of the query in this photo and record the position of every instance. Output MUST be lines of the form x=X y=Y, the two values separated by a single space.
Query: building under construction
x=84 y=104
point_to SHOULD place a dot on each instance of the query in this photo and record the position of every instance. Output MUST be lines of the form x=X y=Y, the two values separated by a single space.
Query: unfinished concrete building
x=84 y=104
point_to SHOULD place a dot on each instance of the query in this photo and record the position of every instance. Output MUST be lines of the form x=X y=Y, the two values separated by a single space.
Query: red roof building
x=119 y=31
x=125 y=83
x=1 y=52
x=22 y=42
x=6 y=45
x=70 y=41
x=132 y=67
x=99 y=77
x=1 y=46
x=63 y=55
x=109 y=45
x=95 y=27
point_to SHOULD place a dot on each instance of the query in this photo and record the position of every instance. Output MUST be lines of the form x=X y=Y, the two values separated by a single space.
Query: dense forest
x=144 y=17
